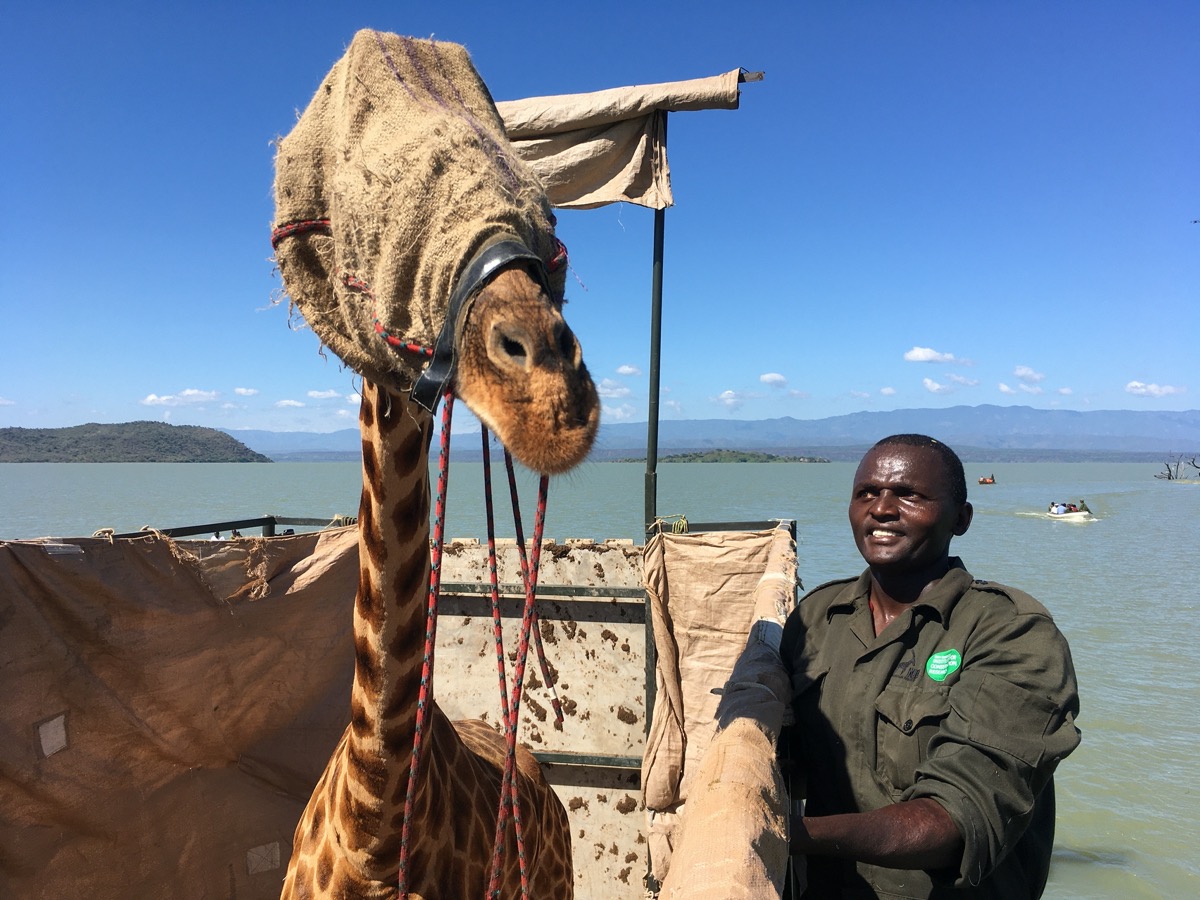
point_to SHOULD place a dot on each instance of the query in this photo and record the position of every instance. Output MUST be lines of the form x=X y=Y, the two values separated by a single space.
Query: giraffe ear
x=556 y=272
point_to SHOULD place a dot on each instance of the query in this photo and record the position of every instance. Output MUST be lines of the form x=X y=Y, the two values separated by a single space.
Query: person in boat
x=931 y=708
x=1083 y=507
x=1060 y=508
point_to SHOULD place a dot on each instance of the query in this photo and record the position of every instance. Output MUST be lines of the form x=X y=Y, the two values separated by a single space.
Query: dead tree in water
x=1173 y=471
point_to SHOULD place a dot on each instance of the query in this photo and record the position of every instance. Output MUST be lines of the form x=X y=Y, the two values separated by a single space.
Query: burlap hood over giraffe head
x=395 y=178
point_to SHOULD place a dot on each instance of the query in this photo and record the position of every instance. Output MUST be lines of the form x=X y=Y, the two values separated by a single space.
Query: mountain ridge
x=1018 y=432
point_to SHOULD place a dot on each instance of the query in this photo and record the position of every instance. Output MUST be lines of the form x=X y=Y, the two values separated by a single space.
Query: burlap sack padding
x=403 y=151
x=167 y=709
x=718 y=823
x=701 y=589
x=732 y=841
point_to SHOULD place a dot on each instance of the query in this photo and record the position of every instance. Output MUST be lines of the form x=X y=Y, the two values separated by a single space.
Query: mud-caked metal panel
x=595 y=651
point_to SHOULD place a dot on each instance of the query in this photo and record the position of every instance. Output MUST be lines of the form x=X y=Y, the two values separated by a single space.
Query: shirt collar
x=939 y=599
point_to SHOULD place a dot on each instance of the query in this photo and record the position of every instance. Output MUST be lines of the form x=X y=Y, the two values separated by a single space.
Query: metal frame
x=268 y=525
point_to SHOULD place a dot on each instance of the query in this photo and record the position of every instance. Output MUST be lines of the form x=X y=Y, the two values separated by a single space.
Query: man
x=931 y=708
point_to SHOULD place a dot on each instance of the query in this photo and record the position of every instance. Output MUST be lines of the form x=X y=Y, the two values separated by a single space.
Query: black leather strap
x=432 y=383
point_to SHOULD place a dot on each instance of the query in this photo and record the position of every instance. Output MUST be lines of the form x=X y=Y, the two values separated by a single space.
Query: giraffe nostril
x=513 y=348
x=568 y=347
x=509 y=345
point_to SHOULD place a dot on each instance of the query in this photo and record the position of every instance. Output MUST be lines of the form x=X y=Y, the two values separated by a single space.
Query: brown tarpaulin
x=167 y=708
x=608 y=146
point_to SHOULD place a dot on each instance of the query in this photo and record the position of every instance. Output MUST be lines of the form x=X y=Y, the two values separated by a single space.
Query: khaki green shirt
x=968 y=697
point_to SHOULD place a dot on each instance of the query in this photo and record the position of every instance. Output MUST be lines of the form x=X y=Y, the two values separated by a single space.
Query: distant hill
x=732 y=456
x=127 y=442
x=987 y=432
x=978 y=432
x=303 y=446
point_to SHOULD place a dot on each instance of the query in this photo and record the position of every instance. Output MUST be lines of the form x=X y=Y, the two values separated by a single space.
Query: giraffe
x=519 y=368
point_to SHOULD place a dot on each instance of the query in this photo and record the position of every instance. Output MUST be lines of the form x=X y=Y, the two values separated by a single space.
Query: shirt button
x=907 y=727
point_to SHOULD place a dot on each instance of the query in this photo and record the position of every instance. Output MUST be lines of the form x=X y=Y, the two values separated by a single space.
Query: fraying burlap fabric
x=395 y=177
x=716 y=800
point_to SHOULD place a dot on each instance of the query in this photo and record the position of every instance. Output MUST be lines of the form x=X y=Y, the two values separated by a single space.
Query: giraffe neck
x=389 y=613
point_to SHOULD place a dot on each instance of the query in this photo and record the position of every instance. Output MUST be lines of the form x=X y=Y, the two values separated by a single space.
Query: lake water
x=1123 y=588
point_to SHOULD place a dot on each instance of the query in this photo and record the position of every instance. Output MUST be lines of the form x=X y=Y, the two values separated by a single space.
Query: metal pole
x=652 y=457
x=655 y=354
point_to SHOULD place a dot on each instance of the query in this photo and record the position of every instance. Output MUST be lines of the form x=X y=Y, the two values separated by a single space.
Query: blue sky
x=923 y=204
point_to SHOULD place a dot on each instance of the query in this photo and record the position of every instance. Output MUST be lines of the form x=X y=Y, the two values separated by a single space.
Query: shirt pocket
x=906 y=722
x=1007 y=717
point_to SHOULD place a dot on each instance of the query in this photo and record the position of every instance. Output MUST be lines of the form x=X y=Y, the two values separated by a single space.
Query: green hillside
x=126 y=442
x=728 y=456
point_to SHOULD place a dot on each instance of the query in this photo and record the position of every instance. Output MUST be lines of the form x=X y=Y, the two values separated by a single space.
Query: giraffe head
x=520 y=370
x=393 y=189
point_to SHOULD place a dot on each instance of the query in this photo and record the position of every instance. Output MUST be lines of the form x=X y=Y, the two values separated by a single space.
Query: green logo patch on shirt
x=941 y=664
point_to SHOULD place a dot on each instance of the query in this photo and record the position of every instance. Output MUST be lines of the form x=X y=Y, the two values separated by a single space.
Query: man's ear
x=964 y=519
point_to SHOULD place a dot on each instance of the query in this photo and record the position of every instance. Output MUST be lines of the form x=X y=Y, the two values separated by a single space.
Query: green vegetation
x=128 y=442
x=731 y=456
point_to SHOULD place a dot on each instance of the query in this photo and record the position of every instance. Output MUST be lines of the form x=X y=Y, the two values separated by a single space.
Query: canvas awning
x=609 y=146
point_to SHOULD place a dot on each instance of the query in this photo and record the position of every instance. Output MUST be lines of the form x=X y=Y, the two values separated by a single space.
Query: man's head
x=909 y=500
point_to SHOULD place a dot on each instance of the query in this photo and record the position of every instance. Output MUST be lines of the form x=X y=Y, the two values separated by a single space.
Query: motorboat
x=1070 y=511
x=1076 y=515
x=987 y=479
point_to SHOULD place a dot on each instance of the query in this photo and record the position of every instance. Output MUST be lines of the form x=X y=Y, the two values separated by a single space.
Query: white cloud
x=934 y=388
x=1139 y=389
x=355 y=398
x=1028 y=375
x=323 y=395
x=803 y=395
x=1030 y=388
x=622 y=413
x=887 y=391
x=6 y=402
x=628 y=370
x=245 y=392
x=1065 y=391
x=860 y=395
x=774 y=379
x=1005 y=389
x=928 y=354
x=965 y=382
x=674 y=406
x=343 y=413
x=288 y=404
x=612 y=390
x=730 y=399
x=183 y=398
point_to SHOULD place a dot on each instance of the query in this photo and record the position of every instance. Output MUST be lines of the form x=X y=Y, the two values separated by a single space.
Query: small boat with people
x=987 y=479
x=1072 y=511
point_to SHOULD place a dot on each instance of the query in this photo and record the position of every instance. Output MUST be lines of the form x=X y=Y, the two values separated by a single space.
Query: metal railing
x=269 y=525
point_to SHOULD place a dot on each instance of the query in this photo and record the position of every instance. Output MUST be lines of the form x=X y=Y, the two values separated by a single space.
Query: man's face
x=902 y=510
